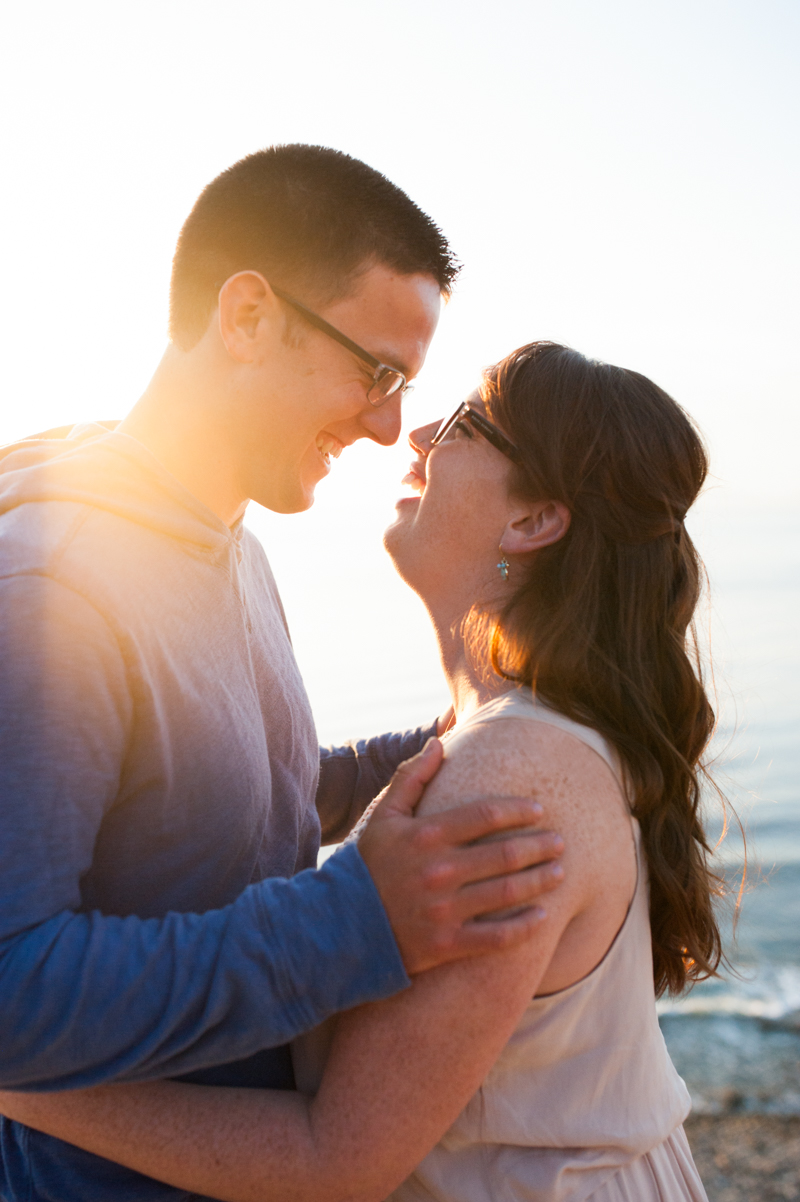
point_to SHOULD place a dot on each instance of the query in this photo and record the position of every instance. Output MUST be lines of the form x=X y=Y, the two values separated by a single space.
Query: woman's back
x=583 y=1098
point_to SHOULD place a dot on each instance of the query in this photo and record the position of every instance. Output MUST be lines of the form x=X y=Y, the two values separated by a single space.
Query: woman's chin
x=406 y=509
x=397 y=534
x=407 y=504
x=388 y=538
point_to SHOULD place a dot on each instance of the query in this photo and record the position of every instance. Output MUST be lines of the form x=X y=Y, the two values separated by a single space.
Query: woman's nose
x=420 y=439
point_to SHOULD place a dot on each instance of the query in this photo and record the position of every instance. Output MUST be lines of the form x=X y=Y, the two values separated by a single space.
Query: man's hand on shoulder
x=435 y=881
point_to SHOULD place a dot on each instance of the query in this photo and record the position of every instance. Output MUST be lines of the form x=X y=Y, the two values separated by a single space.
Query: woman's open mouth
x=415 y=481
x=415 y=477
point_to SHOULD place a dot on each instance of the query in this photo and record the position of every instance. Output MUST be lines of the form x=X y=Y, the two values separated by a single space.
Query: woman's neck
x=471 y=684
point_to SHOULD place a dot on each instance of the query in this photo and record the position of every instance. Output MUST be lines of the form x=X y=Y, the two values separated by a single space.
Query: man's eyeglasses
x=465 y=413
x=386 y=381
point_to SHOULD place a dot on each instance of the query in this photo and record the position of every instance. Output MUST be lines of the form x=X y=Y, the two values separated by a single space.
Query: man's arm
x=92 y=997
x=397 y=1075
x=352 y=775
x=88 y=998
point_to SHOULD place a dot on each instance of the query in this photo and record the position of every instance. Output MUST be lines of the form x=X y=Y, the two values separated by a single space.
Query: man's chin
x=293 y=499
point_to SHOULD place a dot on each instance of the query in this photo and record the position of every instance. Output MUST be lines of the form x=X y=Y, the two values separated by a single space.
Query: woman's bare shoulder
x=516 y=757
x=579 y=794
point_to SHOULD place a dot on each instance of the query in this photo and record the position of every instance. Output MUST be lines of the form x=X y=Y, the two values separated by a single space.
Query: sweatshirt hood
x=92 y=464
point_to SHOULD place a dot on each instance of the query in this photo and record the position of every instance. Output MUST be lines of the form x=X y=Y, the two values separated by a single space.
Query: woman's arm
x=399 y=1072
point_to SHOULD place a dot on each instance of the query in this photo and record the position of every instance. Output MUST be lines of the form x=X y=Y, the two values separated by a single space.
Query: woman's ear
x=245 y=301
x=537 y=526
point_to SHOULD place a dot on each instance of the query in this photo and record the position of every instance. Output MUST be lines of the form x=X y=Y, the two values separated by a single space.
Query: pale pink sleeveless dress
x=584 y=1101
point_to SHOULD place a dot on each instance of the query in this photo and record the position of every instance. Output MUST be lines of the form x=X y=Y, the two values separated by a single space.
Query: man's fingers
x=506 y=892
x=478 y=938
x=480 y=819
x=461 y=882
x=486 y=860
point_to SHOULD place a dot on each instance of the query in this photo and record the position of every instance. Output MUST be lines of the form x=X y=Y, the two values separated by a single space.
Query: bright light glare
x=619 y=176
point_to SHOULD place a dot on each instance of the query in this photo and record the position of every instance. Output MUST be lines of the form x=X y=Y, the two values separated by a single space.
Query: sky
x=622 y=176
x=618 y=175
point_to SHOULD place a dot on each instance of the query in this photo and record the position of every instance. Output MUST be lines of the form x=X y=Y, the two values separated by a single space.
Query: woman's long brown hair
x=600 y=623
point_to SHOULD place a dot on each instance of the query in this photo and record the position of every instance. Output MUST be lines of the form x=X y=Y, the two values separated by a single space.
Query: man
x=158 y=765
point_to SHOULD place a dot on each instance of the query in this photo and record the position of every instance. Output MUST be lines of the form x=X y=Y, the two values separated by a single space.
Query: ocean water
x=736 y=1040
x=370 y=664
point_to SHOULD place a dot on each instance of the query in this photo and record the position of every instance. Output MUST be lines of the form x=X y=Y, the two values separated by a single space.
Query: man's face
x=304 y=398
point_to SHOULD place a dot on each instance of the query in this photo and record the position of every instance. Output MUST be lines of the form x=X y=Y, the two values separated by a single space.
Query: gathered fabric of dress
x=584 y=1101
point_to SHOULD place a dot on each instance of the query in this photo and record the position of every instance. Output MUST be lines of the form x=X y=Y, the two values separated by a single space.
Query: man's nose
x=421 y=438
x=383 y=424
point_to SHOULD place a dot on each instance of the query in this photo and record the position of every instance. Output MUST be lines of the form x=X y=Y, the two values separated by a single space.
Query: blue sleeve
x=86 y=997
x=352 y=775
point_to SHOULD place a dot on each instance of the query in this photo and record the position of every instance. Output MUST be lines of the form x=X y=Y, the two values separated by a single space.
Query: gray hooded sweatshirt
x=158 y=768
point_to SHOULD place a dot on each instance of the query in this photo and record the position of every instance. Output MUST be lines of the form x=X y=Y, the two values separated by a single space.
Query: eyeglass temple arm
x=492 y=434
x=331 y=331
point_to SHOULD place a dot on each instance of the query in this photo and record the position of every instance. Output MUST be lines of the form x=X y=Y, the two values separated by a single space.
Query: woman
x=546 y=539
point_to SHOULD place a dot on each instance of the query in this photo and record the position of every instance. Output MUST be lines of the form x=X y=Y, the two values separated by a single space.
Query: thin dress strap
x=522 y=703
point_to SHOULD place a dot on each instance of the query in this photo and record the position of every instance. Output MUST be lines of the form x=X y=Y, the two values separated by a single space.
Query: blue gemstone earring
x=503 y=564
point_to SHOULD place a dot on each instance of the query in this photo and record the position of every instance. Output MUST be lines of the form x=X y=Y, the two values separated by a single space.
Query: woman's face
x=446 y=537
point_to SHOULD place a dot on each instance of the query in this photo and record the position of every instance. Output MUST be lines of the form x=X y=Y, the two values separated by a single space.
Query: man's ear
x=537 y=526
x=246 y=303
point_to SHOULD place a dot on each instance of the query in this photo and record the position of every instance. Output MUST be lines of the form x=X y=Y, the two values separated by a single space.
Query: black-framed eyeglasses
x=492 y=433
x=386 y=381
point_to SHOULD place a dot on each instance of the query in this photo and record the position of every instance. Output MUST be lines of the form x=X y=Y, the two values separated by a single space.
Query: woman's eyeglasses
x=466 y=413
x=386 y=381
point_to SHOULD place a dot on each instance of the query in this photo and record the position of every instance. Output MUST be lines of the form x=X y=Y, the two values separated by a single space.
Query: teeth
x=328 y=446
x=414 y=482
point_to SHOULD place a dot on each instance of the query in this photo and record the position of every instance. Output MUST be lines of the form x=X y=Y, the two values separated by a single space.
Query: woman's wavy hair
x=601 y=622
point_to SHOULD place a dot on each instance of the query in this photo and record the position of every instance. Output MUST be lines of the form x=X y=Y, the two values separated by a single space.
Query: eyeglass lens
x=387 y=384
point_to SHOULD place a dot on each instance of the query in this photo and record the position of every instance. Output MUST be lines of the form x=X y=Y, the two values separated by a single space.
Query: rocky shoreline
x=743 y=1073
x=747 y=1157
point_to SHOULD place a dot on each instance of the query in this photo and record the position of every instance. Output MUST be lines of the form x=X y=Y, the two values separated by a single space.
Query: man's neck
x=174 y=421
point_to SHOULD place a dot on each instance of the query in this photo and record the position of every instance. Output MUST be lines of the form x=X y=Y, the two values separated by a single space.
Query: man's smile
x=329 y=446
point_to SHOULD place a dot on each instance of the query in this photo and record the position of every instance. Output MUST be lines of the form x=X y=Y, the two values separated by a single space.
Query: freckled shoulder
x=512 y=757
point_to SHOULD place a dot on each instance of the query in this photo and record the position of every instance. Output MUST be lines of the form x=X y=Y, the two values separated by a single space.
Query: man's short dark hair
x=309 y=219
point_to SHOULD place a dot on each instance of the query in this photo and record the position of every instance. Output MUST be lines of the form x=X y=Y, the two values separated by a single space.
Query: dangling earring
x=503 y=565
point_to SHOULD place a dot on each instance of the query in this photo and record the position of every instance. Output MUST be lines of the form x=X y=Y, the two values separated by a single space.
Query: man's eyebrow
x=391 y=361
x=387 y=360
